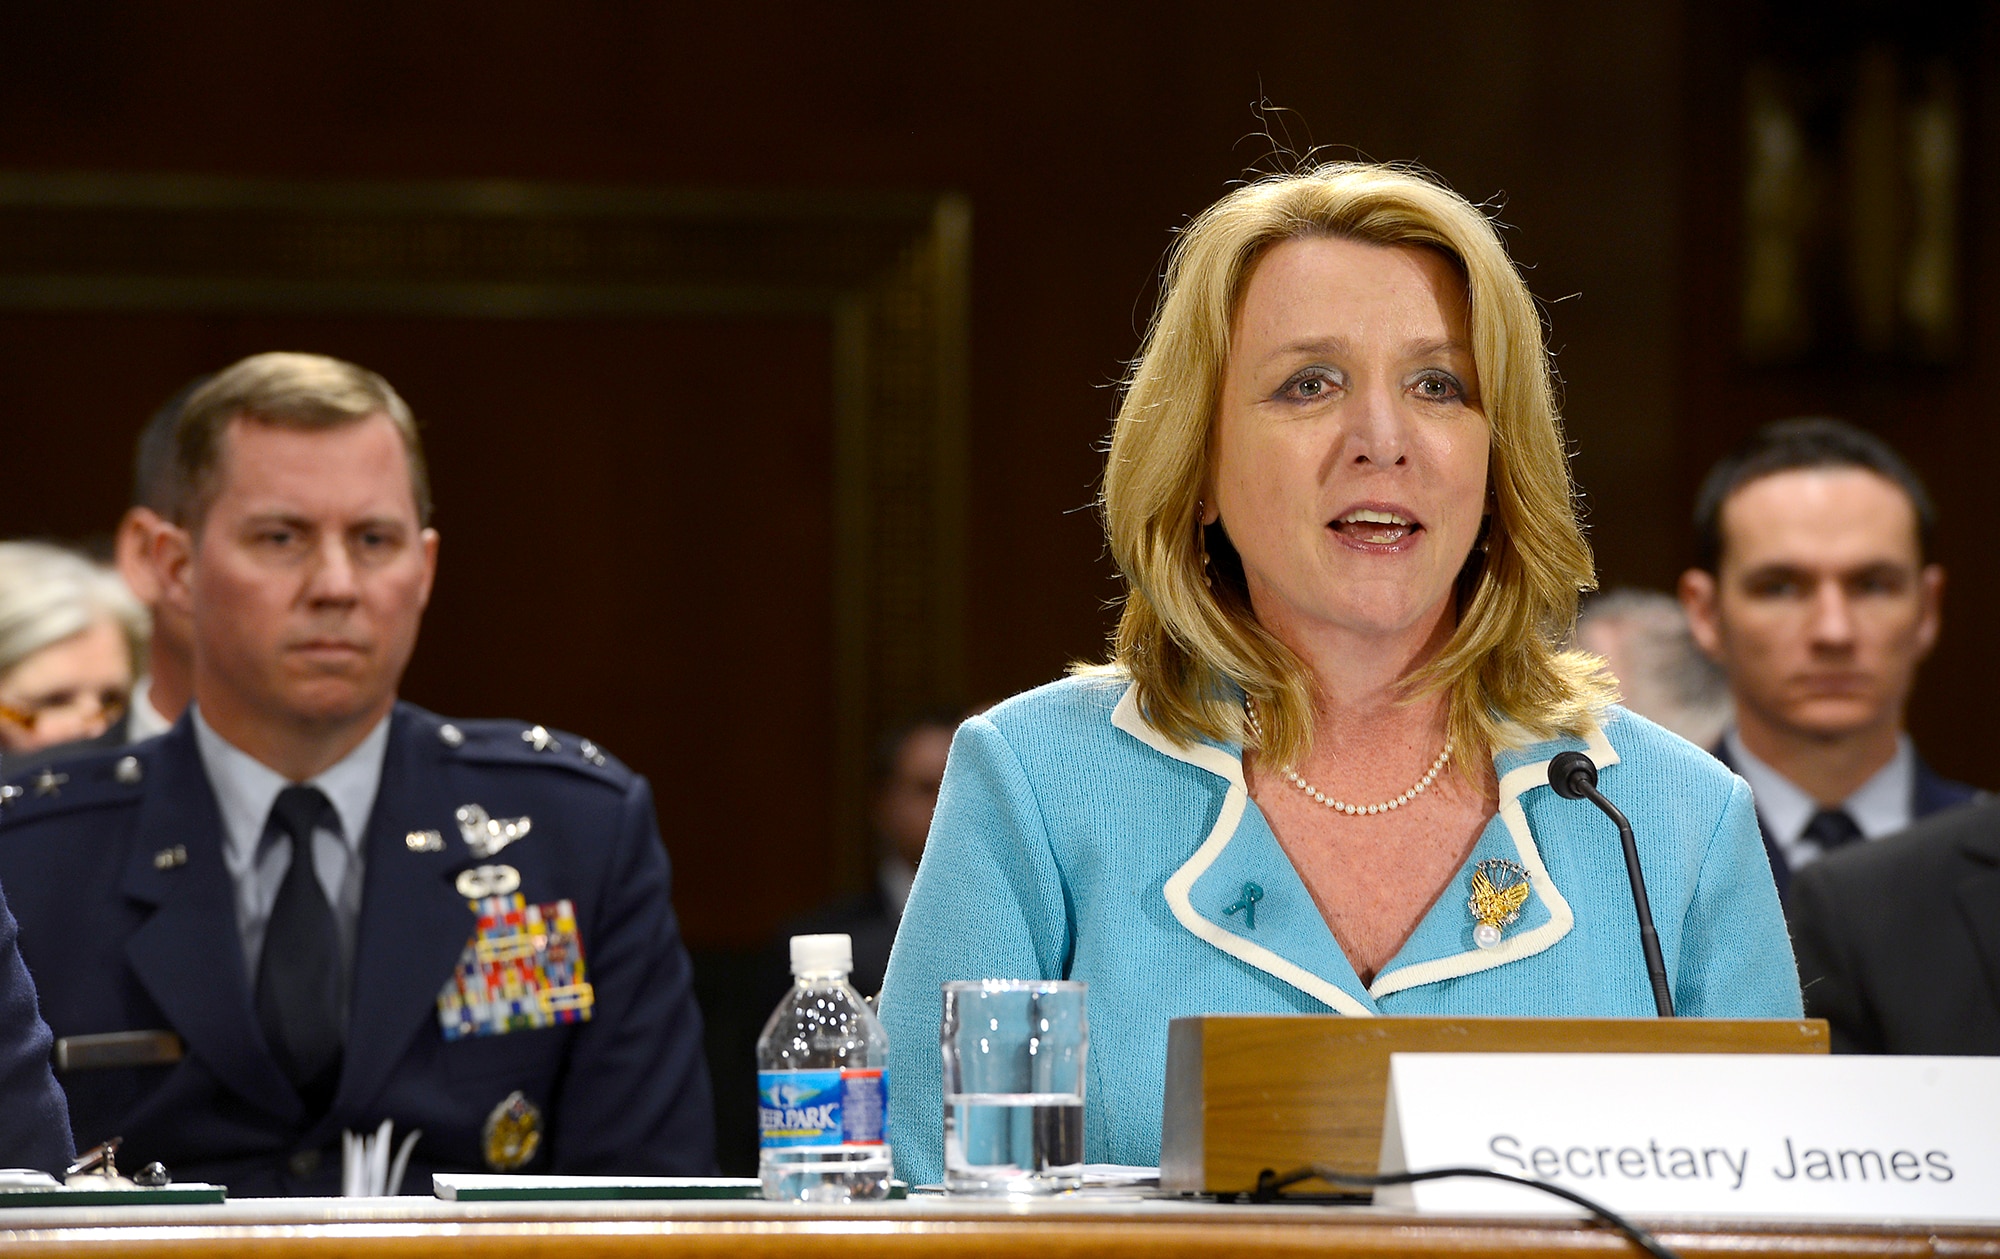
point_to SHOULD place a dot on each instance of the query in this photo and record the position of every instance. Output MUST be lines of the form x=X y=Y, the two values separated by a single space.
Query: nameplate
x=1728 y=1135
x=104 y=1050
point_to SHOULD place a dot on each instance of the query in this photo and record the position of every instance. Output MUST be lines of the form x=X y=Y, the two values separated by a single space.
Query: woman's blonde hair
x=1189 y=641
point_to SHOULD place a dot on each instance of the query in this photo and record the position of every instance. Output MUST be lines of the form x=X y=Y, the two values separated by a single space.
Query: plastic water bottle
x=823 y=1084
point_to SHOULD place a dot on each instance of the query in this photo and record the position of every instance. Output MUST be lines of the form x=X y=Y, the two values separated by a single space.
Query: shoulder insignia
x=524 y=743
x=93 y=780
x=539 y=738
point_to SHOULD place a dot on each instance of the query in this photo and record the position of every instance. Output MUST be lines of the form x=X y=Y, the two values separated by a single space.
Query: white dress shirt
x=895 y=876
x=144 y=720
x=245 y=789
x=1881 y=806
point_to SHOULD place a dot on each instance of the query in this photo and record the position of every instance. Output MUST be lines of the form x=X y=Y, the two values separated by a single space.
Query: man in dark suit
x=309 y=907
x=168 y=682
x=909 y=768
x=1899 y=942
x=1814 y=592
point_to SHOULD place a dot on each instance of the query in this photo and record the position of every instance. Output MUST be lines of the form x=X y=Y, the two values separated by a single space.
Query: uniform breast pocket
x=525 y=1059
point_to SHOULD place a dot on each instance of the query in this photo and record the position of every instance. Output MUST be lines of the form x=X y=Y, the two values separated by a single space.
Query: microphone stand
x=1574 y=777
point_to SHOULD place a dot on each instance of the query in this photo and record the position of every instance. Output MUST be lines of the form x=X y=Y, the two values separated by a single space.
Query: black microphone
x=1574 y=776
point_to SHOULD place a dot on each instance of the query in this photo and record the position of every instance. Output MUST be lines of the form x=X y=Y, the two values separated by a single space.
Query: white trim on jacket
x=1229 y=766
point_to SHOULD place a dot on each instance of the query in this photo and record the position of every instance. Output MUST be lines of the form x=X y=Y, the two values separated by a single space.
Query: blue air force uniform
x=114 y=865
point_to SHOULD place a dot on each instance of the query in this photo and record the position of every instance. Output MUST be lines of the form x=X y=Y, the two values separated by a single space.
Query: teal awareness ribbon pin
x=1247 y=903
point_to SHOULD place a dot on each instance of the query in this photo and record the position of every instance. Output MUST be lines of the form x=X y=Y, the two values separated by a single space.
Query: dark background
x=635 y=511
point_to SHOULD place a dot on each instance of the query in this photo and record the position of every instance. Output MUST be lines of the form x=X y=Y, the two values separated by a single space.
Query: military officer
x=309 y=907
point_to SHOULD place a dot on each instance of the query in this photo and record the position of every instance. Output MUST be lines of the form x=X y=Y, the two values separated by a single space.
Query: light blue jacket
x=1073 y=840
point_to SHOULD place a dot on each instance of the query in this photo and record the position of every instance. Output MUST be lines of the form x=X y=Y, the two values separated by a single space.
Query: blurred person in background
x=42 y=591
x=1643 y=636
x=1815 y=591
x=167 y=682
x=909 y=775
x=71 y=639
x=165 y=678
x=1899 y=942
x=1339 y=496
x=909 y=766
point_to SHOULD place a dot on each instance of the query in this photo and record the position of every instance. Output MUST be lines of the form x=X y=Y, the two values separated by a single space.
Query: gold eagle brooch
x=1499 y=889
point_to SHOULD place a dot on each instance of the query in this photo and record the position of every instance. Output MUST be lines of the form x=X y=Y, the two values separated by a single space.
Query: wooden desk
x=418 y=1228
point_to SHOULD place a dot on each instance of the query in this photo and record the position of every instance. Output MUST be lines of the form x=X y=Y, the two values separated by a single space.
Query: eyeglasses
x=72 y=708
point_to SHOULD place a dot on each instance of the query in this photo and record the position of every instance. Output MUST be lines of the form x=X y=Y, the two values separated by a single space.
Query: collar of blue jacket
x=1291 y=941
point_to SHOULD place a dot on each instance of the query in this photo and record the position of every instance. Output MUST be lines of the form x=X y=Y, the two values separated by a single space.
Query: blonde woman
x=1314 y=776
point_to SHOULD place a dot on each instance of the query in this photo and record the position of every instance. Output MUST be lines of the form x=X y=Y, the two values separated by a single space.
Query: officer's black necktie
x=298 y=980
x=1832 y=828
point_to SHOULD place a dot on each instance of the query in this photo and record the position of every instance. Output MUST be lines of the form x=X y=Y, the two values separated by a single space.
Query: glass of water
x=1013 y=1085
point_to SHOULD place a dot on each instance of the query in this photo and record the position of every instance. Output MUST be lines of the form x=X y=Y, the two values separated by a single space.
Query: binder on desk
x=1247 y=1092
x=480 y=1187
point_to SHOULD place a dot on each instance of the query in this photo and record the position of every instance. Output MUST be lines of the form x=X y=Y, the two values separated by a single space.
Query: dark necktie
x=1832 y=828
x=298 y=980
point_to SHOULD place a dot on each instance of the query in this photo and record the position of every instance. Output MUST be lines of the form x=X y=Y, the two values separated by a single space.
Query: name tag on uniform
x=522 y=969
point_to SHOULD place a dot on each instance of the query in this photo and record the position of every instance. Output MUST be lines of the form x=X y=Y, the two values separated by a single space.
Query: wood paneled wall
x=1081 y=135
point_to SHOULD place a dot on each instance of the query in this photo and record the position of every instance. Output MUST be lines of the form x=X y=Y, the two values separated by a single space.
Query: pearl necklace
x=1341 y=806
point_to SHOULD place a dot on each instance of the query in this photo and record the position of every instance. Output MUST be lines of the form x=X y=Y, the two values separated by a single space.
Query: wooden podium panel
x=1246 y=1092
